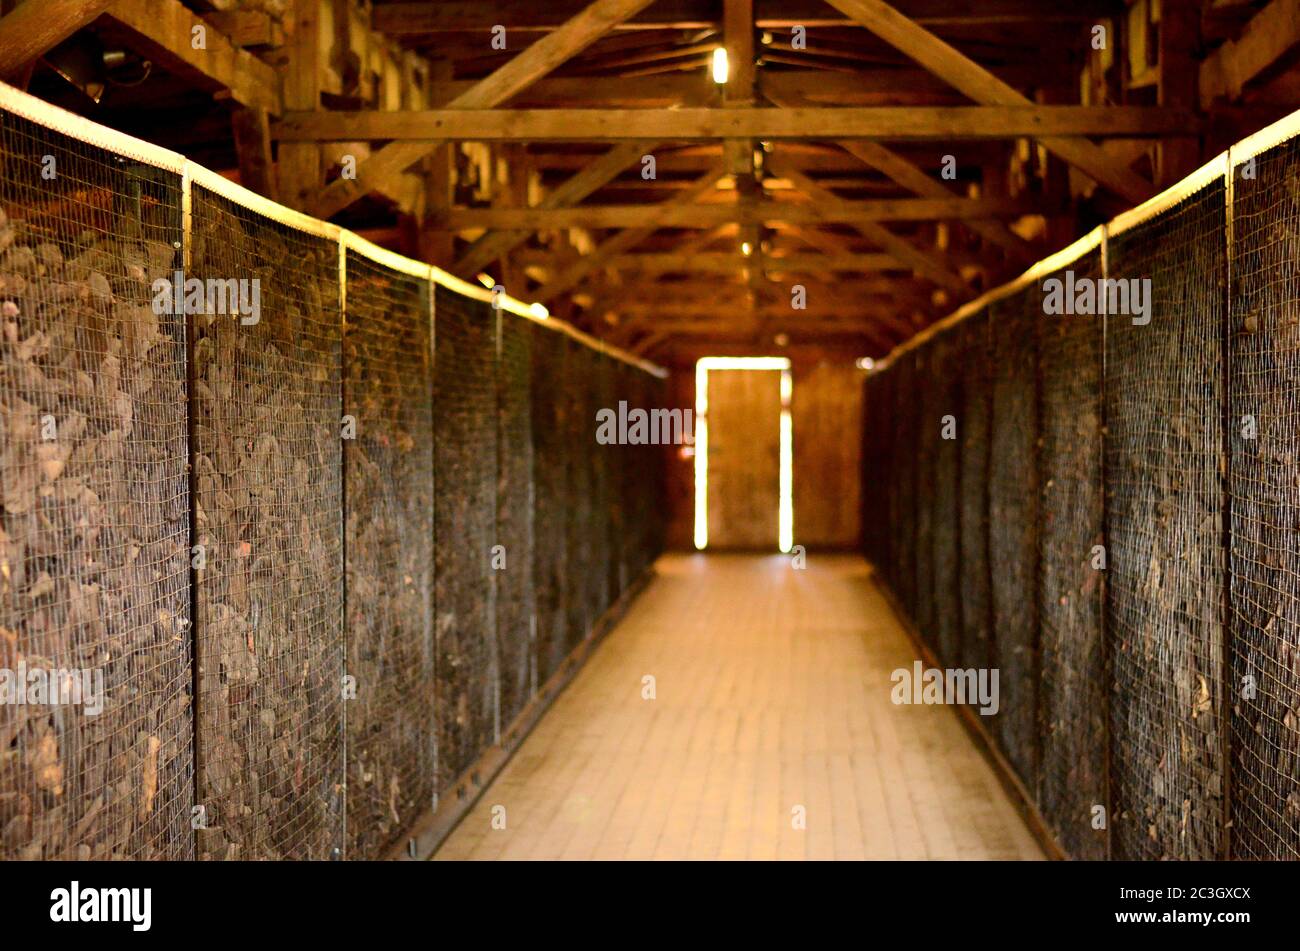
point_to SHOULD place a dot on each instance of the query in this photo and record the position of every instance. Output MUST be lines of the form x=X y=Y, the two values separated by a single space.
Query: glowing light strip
x=701 y=455
x=84 y=130
x=785 y=505
x=785 y=510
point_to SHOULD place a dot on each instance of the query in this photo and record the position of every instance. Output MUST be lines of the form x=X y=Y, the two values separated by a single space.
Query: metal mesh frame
x=945 y=478
x=388 y=540
x=550 y=360
x=875 y=468
x=603 y=575
x=94 y=531
x=925 y=438
x=268 y=496
x=1013 y=521
x=974 y=432
x=516 y=598
x=465 y=525
x=624 y=540
x=1164 y=397
x=187 y=513
x=902 y=500
x=1072 y=699
x=649 y=468
x=1264 y=502
x=577 y=394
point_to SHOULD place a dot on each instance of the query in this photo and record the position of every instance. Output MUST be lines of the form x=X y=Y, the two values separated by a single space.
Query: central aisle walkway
x=772 y=695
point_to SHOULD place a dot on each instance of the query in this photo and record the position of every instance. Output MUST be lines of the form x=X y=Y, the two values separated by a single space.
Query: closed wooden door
x=744 y=463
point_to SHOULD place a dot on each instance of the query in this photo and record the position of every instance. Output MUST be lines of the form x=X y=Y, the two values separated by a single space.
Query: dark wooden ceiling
x=890 y=160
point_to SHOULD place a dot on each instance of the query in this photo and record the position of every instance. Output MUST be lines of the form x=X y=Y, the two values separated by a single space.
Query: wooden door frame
x=785 y=494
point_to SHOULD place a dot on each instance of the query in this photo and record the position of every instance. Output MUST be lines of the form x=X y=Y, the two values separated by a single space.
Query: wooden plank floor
x=772 y=694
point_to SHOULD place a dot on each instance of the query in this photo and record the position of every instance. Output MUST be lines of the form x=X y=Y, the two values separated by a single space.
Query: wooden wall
x=827 y=415
x=826 y=409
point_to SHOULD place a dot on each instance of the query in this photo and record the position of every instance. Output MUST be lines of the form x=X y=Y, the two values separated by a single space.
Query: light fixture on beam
x=721 y=69
x=746 y=248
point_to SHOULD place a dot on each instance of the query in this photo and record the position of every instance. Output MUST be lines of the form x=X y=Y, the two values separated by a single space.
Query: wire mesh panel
x=1013 y=525
x=95 y=732
x=926 y=435
x=267 y=476
x=902 y=501
x=655 y=475
x=550 y=430
x=649 y=465
x=465 y=524
x=388 y=359
x=515 y=593
x=623 y=530
x=1264 y=436
x=1164 y=397
x=945 y=430
x=603 y=574
x=874 y=473
x=885 y=423
x=1073 y=692
x=973 y=437
x=578 y=393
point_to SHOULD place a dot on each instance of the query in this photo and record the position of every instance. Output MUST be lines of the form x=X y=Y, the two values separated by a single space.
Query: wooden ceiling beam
x=577 y=33
x=601 y=171
x=1271 y=32
x=650 y=217
x=164 y=32
x=984 y=87
x=37 y=26
x=708 y=216
x=815 y=85
x=931 y=266
x=417 y=19
x=916 y=179
x=895 y=123
x=723 y=263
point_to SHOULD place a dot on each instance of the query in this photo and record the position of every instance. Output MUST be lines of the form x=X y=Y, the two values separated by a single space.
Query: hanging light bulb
x=720 y=66
x=746 y=248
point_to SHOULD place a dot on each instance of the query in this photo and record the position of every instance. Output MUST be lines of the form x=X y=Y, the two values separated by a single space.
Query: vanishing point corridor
x=771 y=692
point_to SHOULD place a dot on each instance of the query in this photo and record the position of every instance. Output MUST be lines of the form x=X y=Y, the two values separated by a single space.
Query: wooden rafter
x=828 y=211
x=1272 y=32
x=534 y=62
x=723 y=263
x=611 y=247
x=600 y=172
x=38 y=26
x=898 y=123
x=982 y=86
x=912 y=177
x=928 y=265
x=164 y=29
x=414 y=18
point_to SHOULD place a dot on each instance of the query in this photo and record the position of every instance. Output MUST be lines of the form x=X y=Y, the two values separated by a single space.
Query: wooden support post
x=435 y=245
x=252 y=132
x=978 y=83
x=1180 y=24
x=300 y=169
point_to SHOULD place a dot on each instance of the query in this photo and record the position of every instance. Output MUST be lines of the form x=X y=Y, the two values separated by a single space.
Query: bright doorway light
x=785 y=510
x=721 y=69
